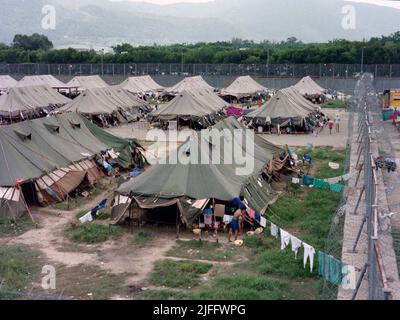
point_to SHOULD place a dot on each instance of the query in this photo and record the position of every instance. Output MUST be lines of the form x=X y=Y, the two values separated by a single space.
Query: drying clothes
x=263 y=222
x=274 y=230
x=309 y=253
x=208 y=212
x=296 y=245
x=227 y=219
x=295 y=180
x=86 y=218
x=308 y=181
x=285 y=239
x=251 y=213
x=238 y=203
x=208 y=219
x=330 y=268
x=336 y=188
x=51 y=193
x=346 y=177
x=320 y=184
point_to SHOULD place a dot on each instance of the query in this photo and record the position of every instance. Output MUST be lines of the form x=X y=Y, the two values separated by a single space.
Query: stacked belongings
x=52 y=156
x=197 y=172
x=311 y=90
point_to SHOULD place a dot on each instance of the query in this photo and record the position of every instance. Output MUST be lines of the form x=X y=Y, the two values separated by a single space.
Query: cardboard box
x=219 y=210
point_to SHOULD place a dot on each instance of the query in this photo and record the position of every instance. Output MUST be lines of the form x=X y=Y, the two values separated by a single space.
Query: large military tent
x=109 y=101
x=43 y=80
x=50 y=157
x=190 y=84
x=310 y=89
x=189 y=107
x=87 y=82
x=286 y=109
x=6 y=82
x=204 y=170
x=29 y=101
x=141 y=85
x=243 y=87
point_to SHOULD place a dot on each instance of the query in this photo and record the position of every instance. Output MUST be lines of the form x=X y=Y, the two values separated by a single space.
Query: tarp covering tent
x=282 y=109
x=7 y=82
x=30 y=100
x=106 y=101
x=141 y=85
x=87 y=82
x=190 y=84
x=309 y=88
x=54 y=155
x=42 y=80
x=187 y=106
x=192 y=178
x=243 y=87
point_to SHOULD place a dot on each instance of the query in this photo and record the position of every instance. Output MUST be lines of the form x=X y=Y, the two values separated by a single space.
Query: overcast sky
x=395 y=4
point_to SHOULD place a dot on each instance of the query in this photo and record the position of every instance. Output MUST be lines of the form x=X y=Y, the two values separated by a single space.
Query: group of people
x=334 y=124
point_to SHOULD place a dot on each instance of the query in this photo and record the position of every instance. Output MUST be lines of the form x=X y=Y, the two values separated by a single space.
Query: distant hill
x=101 y=22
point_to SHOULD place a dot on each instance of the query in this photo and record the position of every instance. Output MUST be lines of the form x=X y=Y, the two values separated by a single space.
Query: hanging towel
x=336 y=188
x=309 y=253
x=296 y=245
x=208 y=219
x=285 y=239
x=296 y=181
x=320 y=184
x=227 y=219
x=308 y=181
x=86 y=218
x=274 y=230
x=330 y=268
x=263 y=222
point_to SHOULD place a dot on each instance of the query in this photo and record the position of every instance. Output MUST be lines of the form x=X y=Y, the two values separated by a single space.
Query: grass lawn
x=92 y=233
x=336 y=104
x=18 y=267
x=267 y=273
x=178 y=274
x=143 y=238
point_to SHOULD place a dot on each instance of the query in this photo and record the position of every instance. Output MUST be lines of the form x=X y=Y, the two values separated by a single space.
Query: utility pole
x=102 y=62
x=362 y=60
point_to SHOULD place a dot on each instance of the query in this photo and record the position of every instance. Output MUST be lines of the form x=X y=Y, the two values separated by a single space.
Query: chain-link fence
x=343 y=71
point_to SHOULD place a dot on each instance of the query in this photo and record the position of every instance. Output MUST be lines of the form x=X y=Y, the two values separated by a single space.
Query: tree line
x=380 y=50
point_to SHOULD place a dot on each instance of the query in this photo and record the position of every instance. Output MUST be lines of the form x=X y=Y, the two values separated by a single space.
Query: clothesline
x=330 y=268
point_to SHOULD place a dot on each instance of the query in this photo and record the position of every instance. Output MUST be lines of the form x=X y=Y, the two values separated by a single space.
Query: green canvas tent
x=196 y=176
x=27 y=101
x=190 y=84
x=87 y=82
x=286 y=108
x=141 y=85
x=56 y=153
x=243 y=87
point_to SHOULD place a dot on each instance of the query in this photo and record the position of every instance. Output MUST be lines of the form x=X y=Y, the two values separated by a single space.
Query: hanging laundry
x=274 y=230
x=336 y=188
x=308 y=181
x=263 y=222
x=309 y=253
x=330 y=268
x=285 y=239
x=227 y=219
x=296 y=245
x=86 y=218
x=208 y=219
x=346 y=177
x=320 y=184
x=295 y=180
x=251 y=213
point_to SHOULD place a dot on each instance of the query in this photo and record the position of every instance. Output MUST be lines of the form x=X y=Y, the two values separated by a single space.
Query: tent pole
x=215 y=222
x=177 y=223
x=27 y=209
